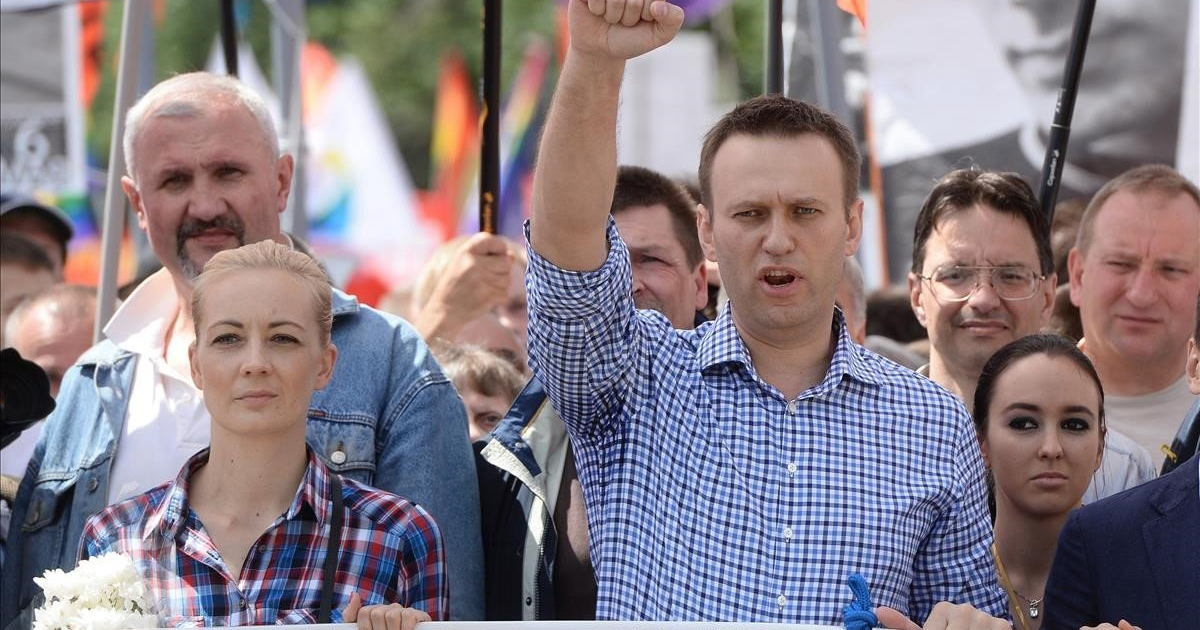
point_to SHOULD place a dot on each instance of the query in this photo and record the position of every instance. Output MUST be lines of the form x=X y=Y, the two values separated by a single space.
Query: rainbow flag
x=521 y=118
x=85 y=256
x=520 y=121
x=455 y=148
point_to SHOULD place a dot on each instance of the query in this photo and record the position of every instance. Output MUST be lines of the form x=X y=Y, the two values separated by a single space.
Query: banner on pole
x=956 y=84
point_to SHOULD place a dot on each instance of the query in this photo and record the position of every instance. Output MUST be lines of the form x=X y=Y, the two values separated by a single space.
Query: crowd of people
x=585 y=427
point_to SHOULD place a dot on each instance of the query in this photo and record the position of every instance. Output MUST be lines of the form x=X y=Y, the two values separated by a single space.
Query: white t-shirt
x=166 y=421
x=1151 y=419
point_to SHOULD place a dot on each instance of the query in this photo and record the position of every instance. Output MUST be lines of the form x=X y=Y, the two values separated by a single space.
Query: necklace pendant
x=1035 y=610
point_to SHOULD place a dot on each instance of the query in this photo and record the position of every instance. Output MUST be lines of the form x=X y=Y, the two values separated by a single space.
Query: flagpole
x=287 y=51
x=1060 y=128
x=229 y=38
x=133 y=20
x=489 y=163
x=775 y=47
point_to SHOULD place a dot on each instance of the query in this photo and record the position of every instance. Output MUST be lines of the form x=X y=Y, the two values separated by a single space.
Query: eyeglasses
x=956 y=283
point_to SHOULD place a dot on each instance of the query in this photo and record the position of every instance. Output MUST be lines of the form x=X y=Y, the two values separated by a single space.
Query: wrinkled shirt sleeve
x=956 y=563
x=583 y=336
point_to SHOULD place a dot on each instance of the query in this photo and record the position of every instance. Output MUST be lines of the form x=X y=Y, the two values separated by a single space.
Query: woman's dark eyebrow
x=1024 y=406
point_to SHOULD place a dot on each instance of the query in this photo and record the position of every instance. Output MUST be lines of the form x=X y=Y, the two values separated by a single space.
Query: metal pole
x=287 y=50
x=228 y=37
x=489 y=163
x=775 y=47
x=133 y=20
x=1060 y=129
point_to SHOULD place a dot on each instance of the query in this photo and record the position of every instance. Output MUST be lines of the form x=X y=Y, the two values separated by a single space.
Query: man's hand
x=382 y=617
x=1123 y=625
x=621 y=29
x=475 y=282
x=945 y=616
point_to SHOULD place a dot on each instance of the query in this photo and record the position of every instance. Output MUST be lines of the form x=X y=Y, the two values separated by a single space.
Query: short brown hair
x=965 y=188
x=270 y=255
x=638 y=186
x=1148 y=177
x=775 y=115
x=482 y=370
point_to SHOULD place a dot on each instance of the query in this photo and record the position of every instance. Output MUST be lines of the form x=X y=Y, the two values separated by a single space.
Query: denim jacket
x=389 y=419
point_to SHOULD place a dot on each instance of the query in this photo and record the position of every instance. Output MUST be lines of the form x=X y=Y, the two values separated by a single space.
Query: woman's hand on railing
x=382 y=616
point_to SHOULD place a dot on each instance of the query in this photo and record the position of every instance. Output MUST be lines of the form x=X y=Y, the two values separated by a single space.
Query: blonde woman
x=255 y=529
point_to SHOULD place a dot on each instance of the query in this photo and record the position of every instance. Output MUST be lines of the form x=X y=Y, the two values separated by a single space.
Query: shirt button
x=338 y=457
x=93 y=484
x=781 y=600
x=243 y=604
x=793 y=406
x=787 y=533
x=791 y=468
x=528 y=601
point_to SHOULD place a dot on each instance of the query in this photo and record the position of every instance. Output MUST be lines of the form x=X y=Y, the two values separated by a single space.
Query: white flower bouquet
x=102 y=593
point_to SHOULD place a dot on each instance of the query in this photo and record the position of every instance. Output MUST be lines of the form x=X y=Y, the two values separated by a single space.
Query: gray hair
x=188 y=95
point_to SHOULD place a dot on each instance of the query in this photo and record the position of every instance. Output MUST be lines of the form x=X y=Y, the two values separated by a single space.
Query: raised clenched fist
x=621 y=29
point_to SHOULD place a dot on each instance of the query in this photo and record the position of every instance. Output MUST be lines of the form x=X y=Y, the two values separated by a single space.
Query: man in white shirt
x=1135 y=272
x=205 y=175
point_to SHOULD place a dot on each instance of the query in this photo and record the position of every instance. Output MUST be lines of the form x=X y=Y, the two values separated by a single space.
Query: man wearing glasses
x=983 y=276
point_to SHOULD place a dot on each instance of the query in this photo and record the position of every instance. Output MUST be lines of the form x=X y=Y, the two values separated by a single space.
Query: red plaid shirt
x=391 y=552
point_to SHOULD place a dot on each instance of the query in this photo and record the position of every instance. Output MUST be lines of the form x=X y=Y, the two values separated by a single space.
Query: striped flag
x=455 y=148
x=520 y=122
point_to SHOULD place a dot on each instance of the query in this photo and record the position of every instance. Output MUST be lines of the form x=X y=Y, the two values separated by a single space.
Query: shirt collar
x=858 y=367
x=343 y=304
x=314 y=491
x=171 y=515
x=140 y=325
x=723 y=344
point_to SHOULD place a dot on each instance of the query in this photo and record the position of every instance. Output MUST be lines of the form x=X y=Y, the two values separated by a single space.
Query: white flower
x=101 y=593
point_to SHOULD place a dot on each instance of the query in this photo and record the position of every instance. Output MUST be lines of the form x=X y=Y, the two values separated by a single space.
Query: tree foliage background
x=400 y=44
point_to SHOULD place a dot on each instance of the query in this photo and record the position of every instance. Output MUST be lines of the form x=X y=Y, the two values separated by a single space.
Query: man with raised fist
x=742 y=470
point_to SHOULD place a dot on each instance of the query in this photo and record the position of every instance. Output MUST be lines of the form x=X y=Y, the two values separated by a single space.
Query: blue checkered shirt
x=711 y=497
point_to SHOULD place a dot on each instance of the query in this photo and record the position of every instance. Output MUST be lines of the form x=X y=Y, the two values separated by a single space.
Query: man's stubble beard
x=191 y=227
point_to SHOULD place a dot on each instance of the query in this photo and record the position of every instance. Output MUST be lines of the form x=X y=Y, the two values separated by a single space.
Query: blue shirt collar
x=721 y=344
